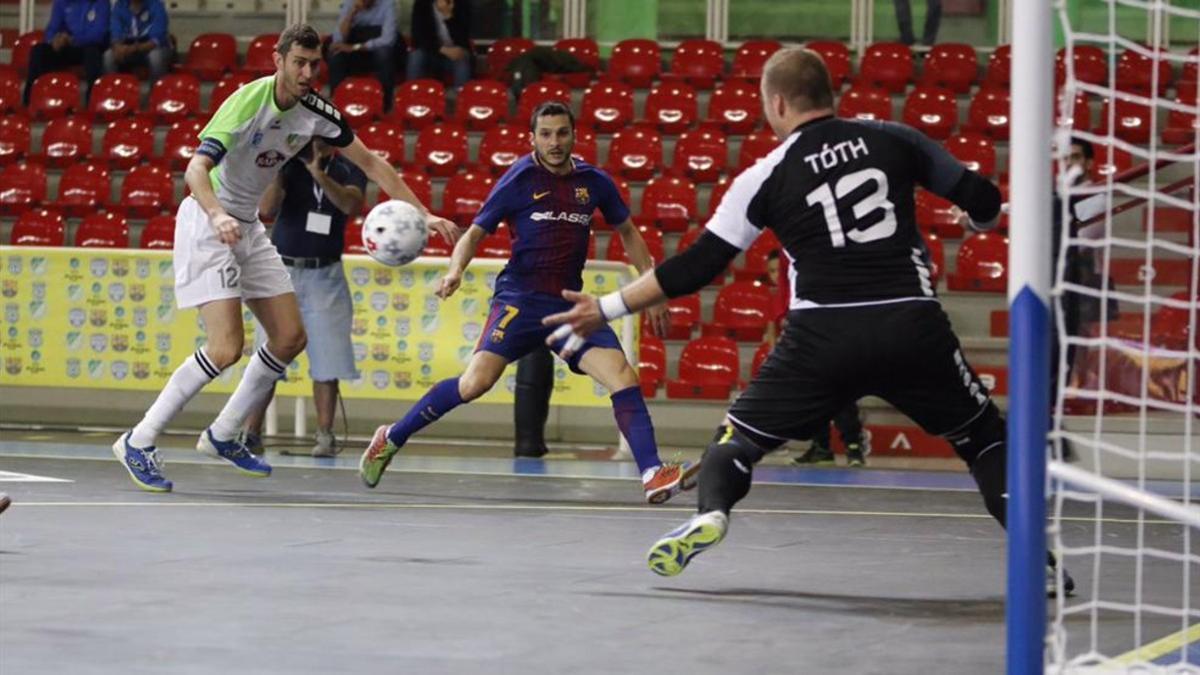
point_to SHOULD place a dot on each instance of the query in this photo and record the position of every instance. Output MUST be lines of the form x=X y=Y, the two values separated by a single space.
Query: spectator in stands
x=441 y=40
x=76 y=34
x=531 y=402
x=933 y=17
x=138 y=37
x=310 y=201
x=848 y=421
x=365 y=40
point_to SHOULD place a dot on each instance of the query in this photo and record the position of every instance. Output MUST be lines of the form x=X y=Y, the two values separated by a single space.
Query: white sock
x=187 y=381
x=263 y=371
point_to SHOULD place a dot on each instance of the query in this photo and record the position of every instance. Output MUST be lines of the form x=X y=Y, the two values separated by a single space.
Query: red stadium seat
x=103 y=230
x=1131 y=121
x=538 y=93
x=352 y=238
x=419 y=103
x=15 y=138
x=937 y=214
x=259 y=59
x=1180 y=127
x=1090 y=65
x=975 y=150
x=760 y=357
x=127 y=141
x=420 y=185
x=1171 y=325
x=211 y=56
x=502 y=52
x=54 y=95
x=981 y=265
x=465 y=194
x=159 y=233
x=585 y=145
x=482 y=104
x=502 y=145
x=742 y=311
x=175 y=96
x=671 y=107
x=951 y=65
x=865 y=102
x=22 y=47
x=114 y=95
x=684 y=314
x=148 y=190
x=83 y=188
x=756 y=146
x=652 y=364
x=22 y=186
x=837 y=59
x=754 y=267
x=66 y=140
x=607 y=106
x=636 y=61
x=701 y=155
x=988 y=113
x=708 y=369
x=226 y=86
x=734 y=107
x=1191 y=67
x=714 y=197
x=999 y=67
x=587 y=52
x=1080 y=117
x=654 y=243
x=1109 y=161
x=887 y=64
x=497 y=244
x=669 y=202
x=385 y=139
x=360 y=99
x=10 y=92
x=441 y=149
x=598 y=221
x=635 y=153
x=932 y=110
x=937 y=256
x=1136 y=73
x=750 y=57
x=699 y=62
x=437 y=247
x=182 y=140
x=39 y=227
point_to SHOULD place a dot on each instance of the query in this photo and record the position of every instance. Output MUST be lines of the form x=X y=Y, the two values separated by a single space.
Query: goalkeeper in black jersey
x=864 y=318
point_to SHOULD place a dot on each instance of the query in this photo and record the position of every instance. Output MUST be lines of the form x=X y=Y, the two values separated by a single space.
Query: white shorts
x=208 y=270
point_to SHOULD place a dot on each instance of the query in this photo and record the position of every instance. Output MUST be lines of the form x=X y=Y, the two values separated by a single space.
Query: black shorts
x=905 y=353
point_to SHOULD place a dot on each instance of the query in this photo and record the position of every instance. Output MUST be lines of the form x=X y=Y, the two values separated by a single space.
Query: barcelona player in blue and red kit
x=548 y=198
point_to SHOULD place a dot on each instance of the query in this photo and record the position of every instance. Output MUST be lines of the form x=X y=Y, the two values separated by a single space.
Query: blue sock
x=633 y=419
x=439 y=400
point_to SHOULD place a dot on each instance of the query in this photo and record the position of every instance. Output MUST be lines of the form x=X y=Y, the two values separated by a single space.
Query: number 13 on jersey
x=875 y=201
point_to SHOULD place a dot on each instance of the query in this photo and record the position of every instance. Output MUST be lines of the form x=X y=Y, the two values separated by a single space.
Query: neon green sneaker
x=376 y=457
x=669 y=555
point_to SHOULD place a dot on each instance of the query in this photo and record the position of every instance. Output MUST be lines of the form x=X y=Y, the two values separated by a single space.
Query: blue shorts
x=514 y=327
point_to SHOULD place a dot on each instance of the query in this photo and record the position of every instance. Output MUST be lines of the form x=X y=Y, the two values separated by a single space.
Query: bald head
x=800 y=77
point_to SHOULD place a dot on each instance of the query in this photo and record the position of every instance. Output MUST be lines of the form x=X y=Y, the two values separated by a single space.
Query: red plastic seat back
x=1136 y=73
x=735 y=107
x=635 y=153
x=887 y=64
x=22 y=47
x=710 y=360
x=669 y=202
x=982 y=264
x=672 y=107
x=701 y=155
x=502 y=53
x=385 y=139
x=259 y=59
x=15 y=138
x=751 y=56
x=22 y=186
x=211 y=56
x=756 y=146
x=952 y=65
x=226 y=86
x=54 y=95
x=10 y=92
x=999 y=67
x=465 y=194
x=103 y=230
x=84 y=187
x=1089 y=62
x=538 y=93
x=39 y=227
x=175 y=96
x=182 y=140
x=607 y=106
x=148 y=190
x=654 y=243
x=865 y=102
x=360 y=99
x=760 y=356
x=975 y=150
x=636 y=61
x=587 y=52
x=989 y=112
x=441 y=148
x=652 y=363
x=699 y=62
x=66 y=140
x=420 y=185
x=932 y=110
x=127 y=141
x=1131 y=121
x=501 y=146
x=419 y=103
x=836 y=56
x=744 y=307
x=159 y=232
x=482 y=104
x=114 y=95
x=684 y=313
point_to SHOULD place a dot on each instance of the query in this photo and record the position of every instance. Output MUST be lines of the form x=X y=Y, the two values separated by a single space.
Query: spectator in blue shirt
x=77 y=34
x=441 y=40
x=139 y=38
x=365 y=40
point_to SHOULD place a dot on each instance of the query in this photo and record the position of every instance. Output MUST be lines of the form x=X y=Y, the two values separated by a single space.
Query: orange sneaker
x=666 y=480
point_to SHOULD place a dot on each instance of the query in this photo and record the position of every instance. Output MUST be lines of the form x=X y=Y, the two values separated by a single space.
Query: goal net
x=1124 y=469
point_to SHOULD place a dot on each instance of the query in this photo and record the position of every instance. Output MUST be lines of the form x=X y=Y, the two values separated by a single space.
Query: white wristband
x=612 y=306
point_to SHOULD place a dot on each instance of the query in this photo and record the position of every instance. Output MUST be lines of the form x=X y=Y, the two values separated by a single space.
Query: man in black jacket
x=441 y=40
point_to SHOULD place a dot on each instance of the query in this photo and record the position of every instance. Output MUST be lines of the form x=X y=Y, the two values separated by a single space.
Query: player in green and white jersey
x=223 y=255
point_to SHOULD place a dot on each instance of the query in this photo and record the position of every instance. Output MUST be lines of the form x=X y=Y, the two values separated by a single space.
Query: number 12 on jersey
x=875 y=201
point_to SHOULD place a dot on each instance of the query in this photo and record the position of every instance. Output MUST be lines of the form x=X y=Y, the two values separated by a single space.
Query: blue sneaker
x=235 y=453
x=143 y=465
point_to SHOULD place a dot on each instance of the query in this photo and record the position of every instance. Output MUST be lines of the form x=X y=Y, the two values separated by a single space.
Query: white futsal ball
x=394 y=233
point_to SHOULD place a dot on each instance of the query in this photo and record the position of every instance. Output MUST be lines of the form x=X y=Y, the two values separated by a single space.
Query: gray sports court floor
x=476 y=564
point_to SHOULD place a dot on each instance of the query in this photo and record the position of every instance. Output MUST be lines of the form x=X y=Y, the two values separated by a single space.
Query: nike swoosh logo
x=539 y=195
